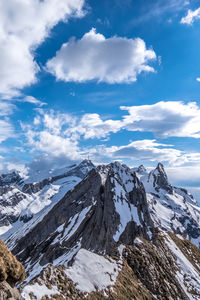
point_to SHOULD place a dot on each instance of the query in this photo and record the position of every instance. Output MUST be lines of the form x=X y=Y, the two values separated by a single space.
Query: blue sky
x=112 y=80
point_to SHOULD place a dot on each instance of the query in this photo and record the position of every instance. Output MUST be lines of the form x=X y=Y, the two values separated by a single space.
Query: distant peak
x=160 y=168
x=141 y=169
x=160 y=178
x=86 y=162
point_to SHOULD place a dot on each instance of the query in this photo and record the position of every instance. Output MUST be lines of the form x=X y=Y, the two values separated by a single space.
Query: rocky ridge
x=127 y=234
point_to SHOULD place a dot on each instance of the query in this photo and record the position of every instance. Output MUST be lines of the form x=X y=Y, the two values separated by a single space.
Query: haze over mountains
x=102 y=232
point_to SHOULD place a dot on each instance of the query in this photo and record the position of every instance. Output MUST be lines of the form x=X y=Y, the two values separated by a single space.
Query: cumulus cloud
x=92 y=126
x=59 y=134
x=192 y=15
x=56 y=145
x=94 y=57
x=24 y=25
x=164 y=119
x=64 y=135
x=49 y=134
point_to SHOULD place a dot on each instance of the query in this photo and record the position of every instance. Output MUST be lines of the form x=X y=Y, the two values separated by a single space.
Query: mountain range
x=102 y=232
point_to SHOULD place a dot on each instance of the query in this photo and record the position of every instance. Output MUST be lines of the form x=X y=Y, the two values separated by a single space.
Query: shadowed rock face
x=88 y=215
x=11 y=272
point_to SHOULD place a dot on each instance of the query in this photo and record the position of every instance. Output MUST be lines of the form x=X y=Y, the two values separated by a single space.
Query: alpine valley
x=98 y=232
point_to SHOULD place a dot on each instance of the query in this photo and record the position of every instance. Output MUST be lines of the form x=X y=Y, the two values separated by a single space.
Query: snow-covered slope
x=171 y=208
x=21 y=199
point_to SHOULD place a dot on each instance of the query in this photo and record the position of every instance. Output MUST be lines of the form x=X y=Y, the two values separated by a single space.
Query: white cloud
x=192 y=15
x=184 y=175
x=56 y=145
x=164 y=119
x=146 y=151
x=198 y=79
x=6 y=108
x=49 y=134
x=94 y=57
x=61 y=135
x=24 y=25
x=32 y=100
x=142 y=150
x=92 y=126
x=6 y=130
x=157 y=10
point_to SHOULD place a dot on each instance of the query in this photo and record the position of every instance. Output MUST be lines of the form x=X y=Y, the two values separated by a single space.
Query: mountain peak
x=160 y=178
x=86 y=162
x=160 y=168
x=141 y=169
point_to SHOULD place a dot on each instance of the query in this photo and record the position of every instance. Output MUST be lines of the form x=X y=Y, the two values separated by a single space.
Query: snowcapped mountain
x=22 y=198
x=116 y=233
x=171 y=208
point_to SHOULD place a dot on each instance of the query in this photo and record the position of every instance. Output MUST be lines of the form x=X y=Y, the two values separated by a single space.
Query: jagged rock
x=147 y=271
x=160 y=179
x=97 y=205
x=9 y=293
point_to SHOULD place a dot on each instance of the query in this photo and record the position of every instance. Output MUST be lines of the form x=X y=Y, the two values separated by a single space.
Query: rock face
x=119 y=233
x=160 y=180
x=11 y=272
x=95 y=208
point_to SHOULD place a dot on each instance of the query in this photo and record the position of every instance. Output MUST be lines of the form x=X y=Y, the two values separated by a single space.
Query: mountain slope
x=107 y=237
x=21 y=199
x=171 y=208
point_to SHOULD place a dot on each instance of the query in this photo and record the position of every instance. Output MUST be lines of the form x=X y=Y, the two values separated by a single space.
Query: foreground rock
x=142 y=271
x=11 y=272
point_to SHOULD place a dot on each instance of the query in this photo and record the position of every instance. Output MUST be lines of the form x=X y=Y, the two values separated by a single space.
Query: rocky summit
x=105 y=232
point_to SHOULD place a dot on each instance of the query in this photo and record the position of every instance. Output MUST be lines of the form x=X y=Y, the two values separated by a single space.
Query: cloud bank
x=164 y=119
x=60 y=134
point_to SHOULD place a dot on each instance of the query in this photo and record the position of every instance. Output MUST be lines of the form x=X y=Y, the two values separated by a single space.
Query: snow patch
x=91 y=272
x=39 y=291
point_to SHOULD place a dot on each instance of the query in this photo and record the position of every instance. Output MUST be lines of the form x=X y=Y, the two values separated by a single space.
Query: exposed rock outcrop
x=11 y=272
